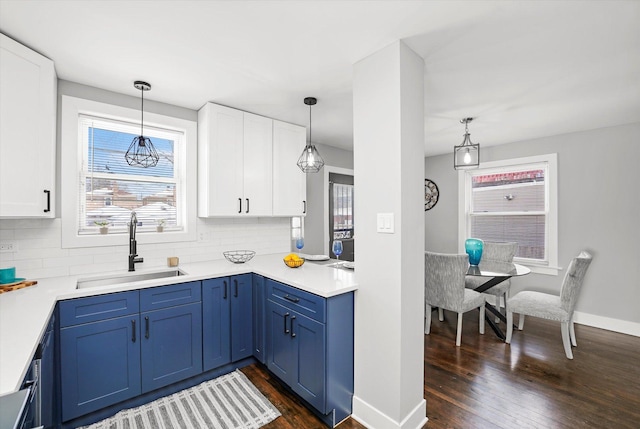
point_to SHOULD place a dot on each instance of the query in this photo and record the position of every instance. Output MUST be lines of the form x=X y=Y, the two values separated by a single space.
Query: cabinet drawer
x=169 y=296
x=90 y=309
x=312 y=306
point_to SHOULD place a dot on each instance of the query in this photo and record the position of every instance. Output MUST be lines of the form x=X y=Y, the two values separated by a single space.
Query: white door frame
x=325 y=200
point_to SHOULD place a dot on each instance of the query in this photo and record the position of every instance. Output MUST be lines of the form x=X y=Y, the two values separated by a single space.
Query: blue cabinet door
x=280 y=350
x=259 y=322
x=216 y=323
x=171 y=345
x=296 y=352
x=100 y=364
x=241 y=317
x=310 y=360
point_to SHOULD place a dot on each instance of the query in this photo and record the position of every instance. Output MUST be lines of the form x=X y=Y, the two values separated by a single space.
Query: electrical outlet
x=8 y=246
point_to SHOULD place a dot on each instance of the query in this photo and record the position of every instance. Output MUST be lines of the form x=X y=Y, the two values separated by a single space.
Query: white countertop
x=24 y=313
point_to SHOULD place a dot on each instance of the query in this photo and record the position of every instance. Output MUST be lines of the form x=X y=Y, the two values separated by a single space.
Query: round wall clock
x=431 y=194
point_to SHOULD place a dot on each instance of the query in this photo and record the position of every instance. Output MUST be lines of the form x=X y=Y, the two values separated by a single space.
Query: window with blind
x=110 y=189
x=342 y=211
x=97 y=184
x=514 y=201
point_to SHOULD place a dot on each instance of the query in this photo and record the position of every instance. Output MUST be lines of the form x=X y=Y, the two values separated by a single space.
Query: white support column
x=388 y=121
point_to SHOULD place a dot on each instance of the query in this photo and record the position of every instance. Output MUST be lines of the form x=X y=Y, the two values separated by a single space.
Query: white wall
x=598 y=210
x=388 y=124
x=40 y=253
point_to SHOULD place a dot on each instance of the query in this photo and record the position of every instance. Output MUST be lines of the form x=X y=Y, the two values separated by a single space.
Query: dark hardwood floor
x=528 y=384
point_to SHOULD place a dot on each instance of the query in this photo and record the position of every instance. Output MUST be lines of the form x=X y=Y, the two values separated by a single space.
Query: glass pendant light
x=141 y=151
x=467 y=155
x=310 y=160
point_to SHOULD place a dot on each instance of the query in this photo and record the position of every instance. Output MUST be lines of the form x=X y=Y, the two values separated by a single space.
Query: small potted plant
x=160 y=226
x=104 y=226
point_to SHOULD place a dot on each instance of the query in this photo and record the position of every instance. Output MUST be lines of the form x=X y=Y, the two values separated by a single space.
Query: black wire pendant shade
x=141 y=151
x=310 y=160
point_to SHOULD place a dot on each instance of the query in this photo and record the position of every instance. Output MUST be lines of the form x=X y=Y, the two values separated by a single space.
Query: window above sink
x=94 y=182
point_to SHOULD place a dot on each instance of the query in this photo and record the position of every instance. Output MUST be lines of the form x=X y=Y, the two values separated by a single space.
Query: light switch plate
x=385 y=223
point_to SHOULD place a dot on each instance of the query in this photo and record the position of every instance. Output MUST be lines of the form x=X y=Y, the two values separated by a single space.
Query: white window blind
x=109 y=188
x=511 y=204
x=342 y=211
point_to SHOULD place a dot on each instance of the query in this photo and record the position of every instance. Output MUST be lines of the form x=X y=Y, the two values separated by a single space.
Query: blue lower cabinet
x=99 y=364
x=241 y=317
x=309 y=346
x=216 y=323
x=171 y=345
x=227 y=317
x=259 y=314
x=297 y=352
x=104 y=362
x=114 y=347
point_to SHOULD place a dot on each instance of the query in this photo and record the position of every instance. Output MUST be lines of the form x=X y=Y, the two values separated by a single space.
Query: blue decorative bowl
x=473 y=247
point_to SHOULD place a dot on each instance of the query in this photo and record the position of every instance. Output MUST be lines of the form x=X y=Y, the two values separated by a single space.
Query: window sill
x=546 y=270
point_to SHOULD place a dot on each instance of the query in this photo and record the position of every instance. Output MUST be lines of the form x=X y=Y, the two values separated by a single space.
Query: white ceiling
x=523 y=69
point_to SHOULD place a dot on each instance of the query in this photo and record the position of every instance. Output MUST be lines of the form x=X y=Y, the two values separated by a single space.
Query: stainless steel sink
x=126 y=278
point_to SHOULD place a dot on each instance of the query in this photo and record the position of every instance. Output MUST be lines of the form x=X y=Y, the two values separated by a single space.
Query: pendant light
x=467 y=155
x=310 y=160
x=141 y=151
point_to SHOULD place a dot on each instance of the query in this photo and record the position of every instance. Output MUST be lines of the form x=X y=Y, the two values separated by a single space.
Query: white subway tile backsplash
x=98 y=250
x=41 y=273
x=25 y=265
x=7 y=234
x=67 y=261
x=40 y=253
x=39 y=243
x=37 y=234
x=49 y=252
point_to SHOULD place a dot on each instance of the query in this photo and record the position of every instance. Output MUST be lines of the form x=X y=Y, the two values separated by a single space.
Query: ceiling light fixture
x=467 y=155
x=310 y=160
x=141 y=151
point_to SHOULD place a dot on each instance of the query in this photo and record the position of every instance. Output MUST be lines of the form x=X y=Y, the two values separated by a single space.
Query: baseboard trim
x=608 y=323
x=369 y=416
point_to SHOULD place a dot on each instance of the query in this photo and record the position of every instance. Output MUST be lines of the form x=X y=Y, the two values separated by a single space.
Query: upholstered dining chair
x=444 y=288
x=498 y=252
x=553 y=307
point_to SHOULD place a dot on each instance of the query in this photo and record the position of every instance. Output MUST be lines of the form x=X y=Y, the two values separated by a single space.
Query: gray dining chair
x=444 y=288
x=553 y=307
x=498 y=252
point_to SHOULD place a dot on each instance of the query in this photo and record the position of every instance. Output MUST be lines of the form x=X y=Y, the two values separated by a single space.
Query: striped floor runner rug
x=227 y=402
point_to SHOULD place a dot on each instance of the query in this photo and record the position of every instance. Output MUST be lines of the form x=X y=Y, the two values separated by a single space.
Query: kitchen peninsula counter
x=24 y=313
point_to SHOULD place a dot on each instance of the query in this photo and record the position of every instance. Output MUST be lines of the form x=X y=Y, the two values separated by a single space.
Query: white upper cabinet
x=289 y=182
x=234 y=163
x=258 y=148
x=28 y=87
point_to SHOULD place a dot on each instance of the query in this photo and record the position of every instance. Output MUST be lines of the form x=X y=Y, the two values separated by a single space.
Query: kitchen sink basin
x=126 y=278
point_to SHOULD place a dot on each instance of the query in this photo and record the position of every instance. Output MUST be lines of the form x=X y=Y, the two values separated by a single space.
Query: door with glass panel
x=341 y=225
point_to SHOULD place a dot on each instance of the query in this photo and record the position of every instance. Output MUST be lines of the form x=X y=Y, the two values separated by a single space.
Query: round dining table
x=496 y=273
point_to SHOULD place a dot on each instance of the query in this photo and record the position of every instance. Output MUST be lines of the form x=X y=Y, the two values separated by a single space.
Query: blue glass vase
x=473 y=247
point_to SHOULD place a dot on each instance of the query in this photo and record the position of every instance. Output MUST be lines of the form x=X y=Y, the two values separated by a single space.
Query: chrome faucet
x=133 y=245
